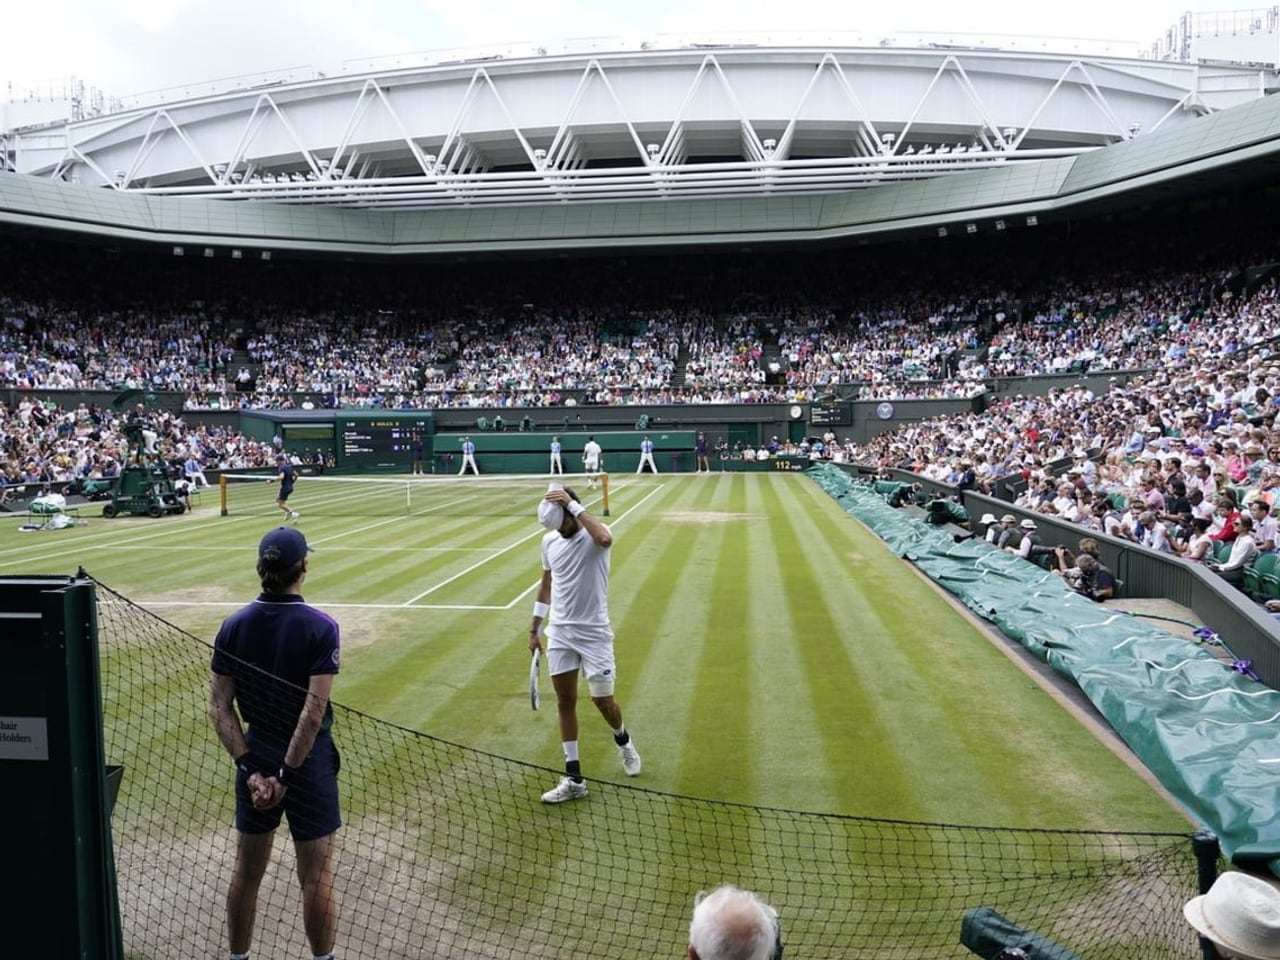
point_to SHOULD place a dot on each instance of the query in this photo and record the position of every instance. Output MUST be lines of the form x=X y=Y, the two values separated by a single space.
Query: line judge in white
x=575 y=584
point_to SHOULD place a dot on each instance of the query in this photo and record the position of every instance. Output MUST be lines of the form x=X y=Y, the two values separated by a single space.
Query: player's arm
x=597 y=530
x=224 y=716
x=309 y=721
x=541 y=602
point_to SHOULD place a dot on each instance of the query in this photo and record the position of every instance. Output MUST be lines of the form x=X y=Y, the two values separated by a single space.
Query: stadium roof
x=838 y=172
x=649 y=125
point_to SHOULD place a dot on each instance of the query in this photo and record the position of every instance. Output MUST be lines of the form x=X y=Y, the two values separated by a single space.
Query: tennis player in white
x=575 y=584
x=591 y=460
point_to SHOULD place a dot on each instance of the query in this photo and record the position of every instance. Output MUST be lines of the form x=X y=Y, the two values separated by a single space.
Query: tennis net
x=497 y=495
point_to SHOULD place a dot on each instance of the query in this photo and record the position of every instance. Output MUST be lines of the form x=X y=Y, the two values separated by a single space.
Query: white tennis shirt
x=579 y=580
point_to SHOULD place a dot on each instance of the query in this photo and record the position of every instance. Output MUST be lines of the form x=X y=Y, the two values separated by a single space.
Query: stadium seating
x=1269 y=582
x=1264 y=565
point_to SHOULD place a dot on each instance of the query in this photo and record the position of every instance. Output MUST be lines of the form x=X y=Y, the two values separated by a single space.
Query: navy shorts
x=310 y=803
x=283 y=495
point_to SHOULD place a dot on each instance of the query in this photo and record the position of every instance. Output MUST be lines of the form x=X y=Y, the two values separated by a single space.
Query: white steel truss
x=634 y=126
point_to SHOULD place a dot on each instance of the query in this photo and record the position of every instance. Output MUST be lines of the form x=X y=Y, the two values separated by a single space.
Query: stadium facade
x=696 y=145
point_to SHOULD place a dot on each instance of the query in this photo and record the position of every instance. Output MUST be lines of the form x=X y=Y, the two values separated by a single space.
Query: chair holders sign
x=24 y=738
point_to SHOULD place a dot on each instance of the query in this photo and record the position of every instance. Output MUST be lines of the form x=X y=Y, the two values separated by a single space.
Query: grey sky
x=131 y=46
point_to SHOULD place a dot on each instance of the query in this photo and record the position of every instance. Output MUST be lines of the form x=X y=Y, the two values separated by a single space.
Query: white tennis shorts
x=591 y=464
x=569 y=650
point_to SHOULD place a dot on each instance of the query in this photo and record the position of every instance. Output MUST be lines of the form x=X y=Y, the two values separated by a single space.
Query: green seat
x=1263 y=565
x=1269 y=582
x=1118 y=499
x=1221 y=550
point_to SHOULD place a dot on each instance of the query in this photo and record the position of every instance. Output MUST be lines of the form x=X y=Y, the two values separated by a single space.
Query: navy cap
x=283 y=547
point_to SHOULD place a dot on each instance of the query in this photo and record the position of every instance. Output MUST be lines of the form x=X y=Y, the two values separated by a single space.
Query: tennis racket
x=535 y=699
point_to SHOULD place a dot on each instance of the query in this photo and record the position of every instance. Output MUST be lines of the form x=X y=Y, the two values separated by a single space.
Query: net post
x=222 y=493
x=1207 y=850
x=604 y=494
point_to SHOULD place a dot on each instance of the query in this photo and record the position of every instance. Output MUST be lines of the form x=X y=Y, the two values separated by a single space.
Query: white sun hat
x=1240 y=913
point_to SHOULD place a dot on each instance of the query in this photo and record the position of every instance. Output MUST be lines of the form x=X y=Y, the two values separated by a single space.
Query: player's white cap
x=551 y=515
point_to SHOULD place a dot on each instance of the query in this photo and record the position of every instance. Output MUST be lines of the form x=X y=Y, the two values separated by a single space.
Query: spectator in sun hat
x=993 y=528
x=1008 y=532
x=1029 y=547
x=1240 y=916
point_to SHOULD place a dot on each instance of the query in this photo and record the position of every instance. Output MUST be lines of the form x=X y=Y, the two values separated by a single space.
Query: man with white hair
x=733 y=924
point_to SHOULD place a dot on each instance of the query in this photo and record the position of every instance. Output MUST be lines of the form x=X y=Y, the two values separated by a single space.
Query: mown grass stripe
x=960 y=720
x=718 y=745
x=847 y=729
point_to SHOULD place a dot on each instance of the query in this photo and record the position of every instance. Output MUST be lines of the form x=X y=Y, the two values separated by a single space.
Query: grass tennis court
x=771 y=650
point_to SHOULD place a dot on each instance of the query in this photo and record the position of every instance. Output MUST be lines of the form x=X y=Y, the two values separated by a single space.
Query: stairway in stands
x=241 y=360
x=680 y=370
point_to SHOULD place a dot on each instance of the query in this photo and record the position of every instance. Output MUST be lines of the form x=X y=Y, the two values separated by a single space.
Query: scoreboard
x=835 y=413
x=382 y=440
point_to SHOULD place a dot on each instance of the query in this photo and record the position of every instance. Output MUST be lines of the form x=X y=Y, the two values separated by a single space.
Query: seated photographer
x=1086 y=574
x=1097 y=582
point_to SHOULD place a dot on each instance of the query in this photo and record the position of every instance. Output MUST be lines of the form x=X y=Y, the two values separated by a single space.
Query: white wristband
x=575 y=508
x=541 y=609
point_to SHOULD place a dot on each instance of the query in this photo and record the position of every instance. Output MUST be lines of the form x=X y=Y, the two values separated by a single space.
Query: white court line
x=78 y=547
x=326 y=604
x=183 y=528
x=175 y=527
x=507 y=549
x=203 y=549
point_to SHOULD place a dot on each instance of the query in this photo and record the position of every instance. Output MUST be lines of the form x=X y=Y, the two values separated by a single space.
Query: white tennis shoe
x=293 y=515
x=566 y=789
x=630 y=758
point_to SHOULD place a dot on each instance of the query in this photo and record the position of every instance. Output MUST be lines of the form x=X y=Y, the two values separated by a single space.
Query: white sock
x=570 y=750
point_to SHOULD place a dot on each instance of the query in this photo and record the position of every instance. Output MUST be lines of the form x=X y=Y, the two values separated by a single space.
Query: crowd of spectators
x=690 y=330
x=43 y=443
x=1179 y=459
x=687 y=330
